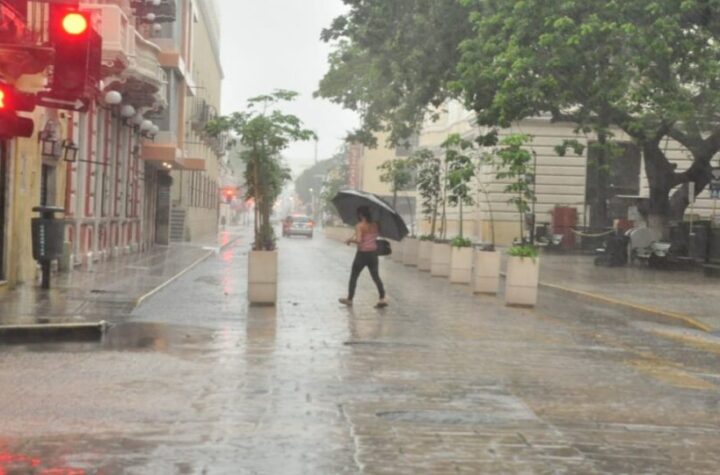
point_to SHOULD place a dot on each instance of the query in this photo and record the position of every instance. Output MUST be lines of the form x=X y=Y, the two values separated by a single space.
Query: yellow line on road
x=687 y=319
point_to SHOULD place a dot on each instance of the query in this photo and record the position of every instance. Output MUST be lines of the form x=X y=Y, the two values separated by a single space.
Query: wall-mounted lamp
x=127 y=111
x=50 y=147
x=113 y=98
x=70 y=151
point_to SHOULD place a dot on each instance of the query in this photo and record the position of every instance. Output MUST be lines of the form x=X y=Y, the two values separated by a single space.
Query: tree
x=264 y=134
x=336 y=180
x=312 y=178
x=513 y=163
x=392 y=60
x=429 y=185
x=398 y=173
x=649 y=68
x=460 y=173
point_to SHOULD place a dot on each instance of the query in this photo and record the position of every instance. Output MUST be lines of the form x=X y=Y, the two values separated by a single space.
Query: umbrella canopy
x=390 y=222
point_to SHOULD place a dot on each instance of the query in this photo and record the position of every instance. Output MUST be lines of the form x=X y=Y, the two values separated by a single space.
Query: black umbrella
x=391 y=224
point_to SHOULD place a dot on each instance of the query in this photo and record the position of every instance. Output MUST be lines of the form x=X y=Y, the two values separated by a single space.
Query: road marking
x=687 y=319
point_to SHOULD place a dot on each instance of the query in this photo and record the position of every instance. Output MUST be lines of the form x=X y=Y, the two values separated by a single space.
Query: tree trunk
x=700 y=173
x=460 y=213
x=599 y=208
x=660 y=174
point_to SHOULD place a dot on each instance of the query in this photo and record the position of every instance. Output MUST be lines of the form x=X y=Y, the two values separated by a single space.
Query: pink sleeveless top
x=368 y=242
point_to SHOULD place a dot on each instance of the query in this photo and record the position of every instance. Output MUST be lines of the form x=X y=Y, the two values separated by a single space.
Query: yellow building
x=132 y=167
x=368 y=176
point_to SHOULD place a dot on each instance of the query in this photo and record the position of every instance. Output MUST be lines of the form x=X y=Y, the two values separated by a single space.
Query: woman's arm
x=355 y=239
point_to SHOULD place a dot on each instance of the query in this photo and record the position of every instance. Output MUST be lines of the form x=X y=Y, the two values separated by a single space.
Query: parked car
x=298 y=225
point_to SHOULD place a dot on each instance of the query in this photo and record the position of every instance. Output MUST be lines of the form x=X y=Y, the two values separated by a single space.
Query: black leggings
x=363 y=259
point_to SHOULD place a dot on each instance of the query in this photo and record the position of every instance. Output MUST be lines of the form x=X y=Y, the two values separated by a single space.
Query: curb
x=140 y=300
x=687 y=320
x=52 y=331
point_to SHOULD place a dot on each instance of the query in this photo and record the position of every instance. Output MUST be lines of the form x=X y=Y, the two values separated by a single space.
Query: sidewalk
x=112 y=289
x=681 y=295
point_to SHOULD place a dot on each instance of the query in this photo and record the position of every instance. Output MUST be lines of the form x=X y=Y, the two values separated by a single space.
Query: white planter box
x=440 y=260
x=461 y=264
x=262 y=277
x=397 y=251
x=424 y=255
x=410 y=254
x=522 y=281
x=486 y=275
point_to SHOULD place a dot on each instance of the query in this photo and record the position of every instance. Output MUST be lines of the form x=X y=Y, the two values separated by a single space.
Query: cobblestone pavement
x=440 y=382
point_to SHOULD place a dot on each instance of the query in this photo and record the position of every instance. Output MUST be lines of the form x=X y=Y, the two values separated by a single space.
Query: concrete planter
x=486 y=275
x=262 y=277
x=424 y=255
x=410 y=255
x=522 y=281
x=440 y=260
x=461 y=264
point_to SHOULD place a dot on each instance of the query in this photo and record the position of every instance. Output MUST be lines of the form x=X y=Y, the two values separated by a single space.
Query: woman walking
x=366 y=235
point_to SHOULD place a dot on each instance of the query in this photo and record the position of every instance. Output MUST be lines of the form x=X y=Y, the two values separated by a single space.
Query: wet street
x=442 y=381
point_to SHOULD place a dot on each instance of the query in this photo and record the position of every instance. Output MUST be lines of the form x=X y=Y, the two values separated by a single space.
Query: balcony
x=116 y=30
x=23 y=48
x=143 y=81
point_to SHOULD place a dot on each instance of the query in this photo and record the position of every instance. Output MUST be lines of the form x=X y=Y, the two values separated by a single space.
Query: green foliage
x=514 y=163
x=650 y=68
x=460 y=241
x=573 y=145
x=264 y=134
x=429 y=185
x=399 y=174
x=392 y=60
x=460 y=173
x=337 y=180
x=427 y=237
x=315 y=176
x=524 y=251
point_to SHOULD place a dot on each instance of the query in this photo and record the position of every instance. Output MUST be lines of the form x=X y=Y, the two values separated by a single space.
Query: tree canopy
x=392 y=60
x=650 y=68
x=264 y=134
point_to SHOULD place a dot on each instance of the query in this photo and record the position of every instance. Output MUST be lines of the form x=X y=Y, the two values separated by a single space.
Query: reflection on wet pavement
x=440 y=382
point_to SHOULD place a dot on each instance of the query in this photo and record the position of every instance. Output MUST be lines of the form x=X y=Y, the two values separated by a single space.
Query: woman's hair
x=364 y=212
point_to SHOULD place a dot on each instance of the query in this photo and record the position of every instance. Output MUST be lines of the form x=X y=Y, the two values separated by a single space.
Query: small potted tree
x=513 y=163
x=441 y=249
x=263 y=134
x=486 y=259
x=429 y=177
x=460 y=173
x=398 y=174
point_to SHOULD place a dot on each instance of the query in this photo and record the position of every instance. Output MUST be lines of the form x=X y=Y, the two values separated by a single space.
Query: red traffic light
x=74 y=23
x=12 y=100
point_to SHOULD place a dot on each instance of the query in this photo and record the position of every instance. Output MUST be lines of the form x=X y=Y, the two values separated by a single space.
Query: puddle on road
x=153 y=336
x=131 y=336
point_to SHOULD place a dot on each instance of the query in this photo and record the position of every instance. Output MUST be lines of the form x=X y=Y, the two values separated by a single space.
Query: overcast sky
x=272 y=44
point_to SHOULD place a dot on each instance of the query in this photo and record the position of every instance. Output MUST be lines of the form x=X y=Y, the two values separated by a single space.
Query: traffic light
x=13 y=101
x=78 y=51
x=229 y=194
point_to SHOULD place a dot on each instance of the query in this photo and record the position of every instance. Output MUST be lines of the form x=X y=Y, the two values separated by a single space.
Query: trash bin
x=48 y=235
